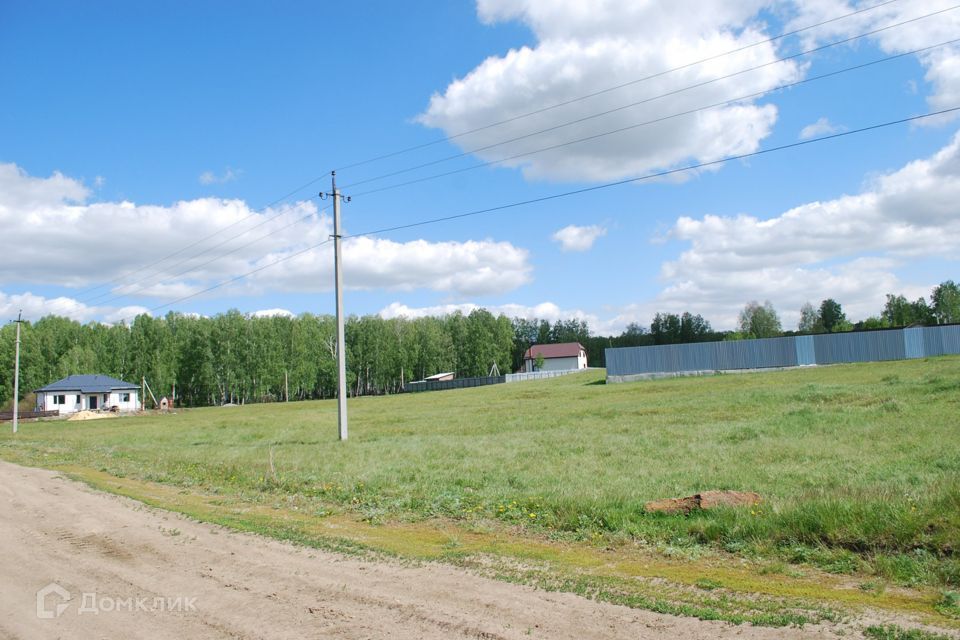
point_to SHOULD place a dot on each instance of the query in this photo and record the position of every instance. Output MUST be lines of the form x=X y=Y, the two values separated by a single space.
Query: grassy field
x=859 y=465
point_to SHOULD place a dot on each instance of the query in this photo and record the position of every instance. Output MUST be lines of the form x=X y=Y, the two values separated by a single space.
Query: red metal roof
x=562 y=350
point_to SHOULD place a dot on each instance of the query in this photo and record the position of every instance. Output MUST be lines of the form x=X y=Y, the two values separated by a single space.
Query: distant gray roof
x=88 y=383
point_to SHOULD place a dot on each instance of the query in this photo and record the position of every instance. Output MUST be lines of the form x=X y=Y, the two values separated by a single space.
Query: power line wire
x=551 y=147
x=614 y=88
x=657 y=120
x=645 y=100
x=234 y=279
x=128 y=294
x=97 y=299
x=207 y=237
x=209 y=249
x=651 y=176
x=541 y=110
x=565 y=194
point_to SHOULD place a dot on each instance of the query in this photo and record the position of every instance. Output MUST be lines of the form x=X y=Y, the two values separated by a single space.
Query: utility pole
x=341 y=346
x=16 y=376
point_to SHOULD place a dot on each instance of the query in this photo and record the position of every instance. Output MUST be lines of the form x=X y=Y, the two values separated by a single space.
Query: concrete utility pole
x=16 y=376
x=341 y=346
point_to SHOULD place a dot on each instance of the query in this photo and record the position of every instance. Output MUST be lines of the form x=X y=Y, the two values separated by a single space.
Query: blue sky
x=129 y=131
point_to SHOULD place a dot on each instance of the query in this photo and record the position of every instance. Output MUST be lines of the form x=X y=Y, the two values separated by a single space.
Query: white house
x=88 y=392
x=565 y=356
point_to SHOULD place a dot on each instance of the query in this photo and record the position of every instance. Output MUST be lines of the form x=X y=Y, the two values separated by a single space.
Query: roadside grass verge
x=859 y=465
x=893 y=632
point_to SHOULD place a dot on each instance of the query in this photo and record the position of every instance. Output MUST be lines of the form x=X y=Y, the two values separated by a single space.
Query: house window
x=124 y=397
x=62 y=399
x=78 y=398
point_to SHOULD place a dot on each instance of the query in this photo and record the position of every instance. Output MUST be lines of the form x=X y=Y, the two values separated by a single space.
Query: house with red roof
x=565 y=356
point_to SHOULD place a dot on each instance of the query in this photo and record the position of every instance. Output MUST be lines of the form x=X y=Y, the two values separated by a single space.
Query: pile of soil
x=704 y=500
x=91 y=415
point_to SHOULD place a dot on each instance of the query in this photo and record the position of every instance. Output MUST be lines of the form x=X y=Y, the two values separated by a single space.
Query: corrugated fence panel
x=806 y=353
x=913 y=342
x=868 y=346
x=933 y=341
x=939 y=341
x=951 y=339
x=539 y=375
x=760 y=354
x=458 y=383
x=832 y=348
x=702 y=356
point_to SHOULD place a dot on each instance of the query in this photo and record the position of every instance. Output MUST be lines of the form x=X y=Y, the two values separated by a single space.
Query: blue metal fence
x=457 y=383
x=831 y=348
x=861 y=346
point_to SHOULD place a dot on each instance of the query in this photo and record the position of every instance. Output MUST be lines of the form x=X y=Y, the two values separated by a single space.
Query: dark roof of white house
x=87 y=383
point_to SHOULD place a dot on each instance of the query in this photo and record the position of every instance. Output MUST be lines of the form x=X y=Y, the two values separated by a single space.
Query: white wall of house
x=558 y=364
x=126 y=400
x=71 y=402
x=65 y=402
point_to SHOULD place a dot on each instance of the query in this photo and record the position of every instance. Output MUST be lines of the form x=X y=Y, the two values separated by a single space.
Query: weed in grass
x=949 y=604
x=773 y=568
x=891 y=406
x=742 y=434
x=707 y=584
x=893 y=632
x=872 y=586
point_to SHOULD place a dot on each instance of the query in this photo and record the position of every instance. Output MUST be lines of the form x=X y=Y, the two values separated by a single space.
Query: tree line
x=237 y=358
x=761 y=320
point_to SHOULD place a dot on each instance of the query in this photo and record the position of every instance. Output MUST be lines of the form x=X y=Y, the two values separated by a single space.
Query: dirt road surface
x=114 y=568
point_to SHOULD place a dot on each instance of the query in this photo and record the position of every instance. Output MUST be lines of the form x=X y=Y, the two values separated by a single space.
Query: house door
x=93 y=402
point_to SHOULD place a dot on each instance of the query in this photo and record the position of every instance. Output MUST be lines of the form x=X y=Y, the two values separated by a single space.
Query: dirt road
x=113 y=568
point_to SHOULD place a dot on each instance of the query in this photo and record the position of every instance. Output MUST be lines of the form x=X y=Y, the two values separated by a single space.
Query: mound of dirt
x=91 y=415
x=704 y=500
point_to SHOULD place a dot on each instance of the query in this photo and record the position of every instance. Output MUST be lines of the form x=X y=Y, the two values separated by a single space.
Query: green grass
x=859 y=465
x=892 y=632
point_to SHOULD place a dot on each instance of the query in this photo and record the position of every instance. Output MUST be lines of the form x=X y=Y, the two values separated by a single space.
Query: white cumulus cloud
x=821 y=127
x=35 y=307
x=942 y=65
x=586 y=47
x=542 y=311
x=271 y=313
x=54 y=236
x=574 y=238
x=228 y=175
x=848 y=248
